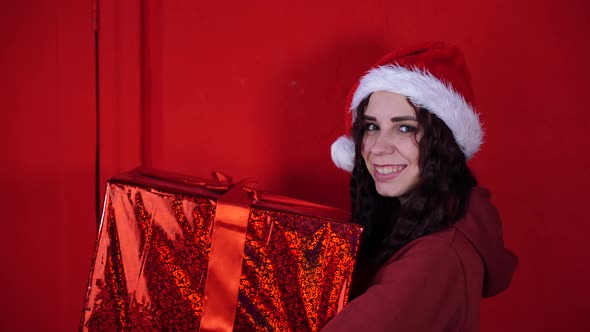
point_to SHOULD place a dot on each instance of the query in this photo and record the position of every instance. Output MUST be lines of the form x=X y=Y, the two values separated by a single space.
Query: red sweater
x=435 y=282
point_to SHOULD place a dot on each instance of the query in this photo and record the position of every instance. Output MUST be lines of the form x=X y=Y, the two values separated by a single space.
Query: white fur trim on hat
x=343 y=153
x=425 y=90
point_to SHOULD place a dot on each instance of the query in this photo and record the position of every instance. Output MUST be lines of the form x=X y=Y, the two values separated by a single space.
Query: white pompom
x=343 y=153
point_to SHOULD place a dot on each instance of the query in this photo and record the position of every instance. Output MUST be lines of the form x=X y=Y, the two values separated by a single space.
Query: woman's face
x=390 y=144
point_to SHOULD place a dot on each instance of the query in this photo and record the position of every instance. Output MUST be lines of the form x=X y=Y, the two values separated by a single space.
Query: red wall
x=257 y=91
x=47 y=148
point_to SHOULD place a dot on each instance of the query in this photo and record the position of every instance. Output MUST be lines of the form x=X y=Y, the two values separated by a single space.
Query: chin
x=389 y=192
x=395 y=189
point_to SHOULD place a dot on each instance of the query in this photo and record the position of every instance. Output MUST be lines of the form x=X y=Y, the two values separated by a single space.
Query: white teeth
x=389 y=169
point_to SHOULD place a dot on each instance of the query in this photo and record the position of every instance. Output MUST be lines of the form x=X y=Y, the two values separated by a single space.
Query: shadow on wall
x=310 y=97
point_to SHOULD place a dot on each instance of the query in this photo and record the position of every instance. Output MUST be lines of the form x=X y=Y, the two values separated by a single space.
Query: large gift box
x=176 y=253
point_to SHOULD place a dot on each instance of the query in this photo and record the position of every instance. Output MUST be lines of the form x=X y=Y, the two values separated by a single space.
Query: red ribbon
x=225 y=261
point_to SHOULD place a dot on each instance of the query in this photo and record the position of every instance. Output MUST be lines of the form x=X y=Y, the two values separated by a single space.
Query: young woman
x=432 y=243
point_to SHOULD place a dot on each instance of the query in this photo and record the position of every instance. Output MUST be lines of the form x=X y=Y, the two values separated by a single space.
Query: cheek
x=411 y=151
x=365 y=147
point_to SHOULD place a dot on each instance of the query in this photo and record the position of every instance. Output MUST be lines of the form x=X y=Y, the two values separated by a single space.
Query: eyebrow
x=394 y=119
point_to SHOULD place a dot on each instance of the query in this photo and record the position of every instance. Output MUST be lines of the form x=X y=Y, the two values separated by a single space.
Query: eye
x=371 y=127
x=406 y=129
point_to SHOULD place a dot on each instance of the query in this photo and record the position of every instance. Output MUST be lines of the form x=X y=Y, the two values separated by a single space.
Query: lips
x=387 y=172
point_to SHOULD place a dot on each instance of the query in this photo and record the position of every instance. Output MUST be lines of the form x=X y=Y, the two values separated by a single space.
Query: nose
x=382 y=144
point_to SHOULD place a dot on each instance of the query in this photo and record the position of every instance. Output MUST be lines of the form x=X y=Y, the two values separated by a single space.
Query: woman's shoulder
x=447 y=242
x=445 y=249
x=436 y=266
x=446 y=254
x=464 y=237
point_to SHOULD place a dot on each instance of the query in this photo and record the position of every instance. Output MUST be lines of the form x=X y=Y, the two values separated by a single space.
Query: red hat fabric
x=433 y=76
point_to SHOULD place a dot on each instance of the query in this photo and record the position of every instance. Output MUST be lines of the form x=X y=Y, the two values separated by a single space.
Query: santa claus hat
x=433 y=76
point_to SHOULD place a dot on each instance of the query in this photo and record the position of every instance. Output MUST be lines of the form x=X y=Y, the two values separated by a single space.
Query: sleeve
x=423 y=290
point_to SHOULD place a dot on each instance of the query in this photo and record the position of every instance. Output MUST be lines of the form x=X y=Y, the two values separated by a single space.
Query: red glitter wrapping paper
x=151 y=262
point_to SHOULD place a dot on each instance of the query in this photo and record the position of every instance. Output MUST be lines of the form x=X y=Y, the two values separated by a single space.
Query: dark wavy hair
x=438 y=200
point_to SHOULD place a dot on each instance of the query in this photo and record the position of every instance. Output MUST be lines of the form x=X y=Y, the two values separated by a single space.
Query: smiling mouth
x=386 y=170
